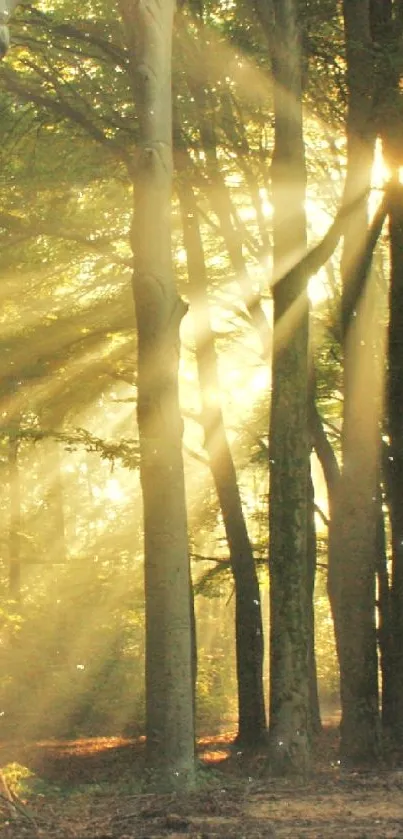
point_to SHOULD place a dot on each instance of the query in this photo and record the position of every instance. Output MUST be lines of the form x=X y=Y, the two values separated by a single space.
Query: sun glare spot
x=380 y=171
x=318 y=218
x=317 y=288
x=234 y=179
x=114 y=491
x=247 y=213
x=267 y=206
x=181 y=255
x=260 y=380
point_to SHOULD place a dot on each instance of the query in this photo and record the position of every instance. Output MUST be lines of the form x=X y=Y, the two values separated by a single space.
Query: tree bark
x=352 y=538
x=169 y=695
x=394 y=471
x=387 y=29
x=289 y=438
x=386 y=26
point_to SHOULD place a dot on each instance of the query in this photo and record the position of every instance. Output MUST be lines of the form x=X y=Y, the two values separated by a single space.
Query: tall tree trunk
x=386 y=25
x=159 y=311
x=248 y=619
x=354 y=520
x=289 y=438
x=394 y=472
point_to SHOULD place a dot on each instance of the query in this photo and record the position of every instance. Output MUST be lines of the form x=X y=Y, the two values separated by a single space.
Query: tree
x=386 y=27
x=289 y=438
x=159 y=310
x=353 y=530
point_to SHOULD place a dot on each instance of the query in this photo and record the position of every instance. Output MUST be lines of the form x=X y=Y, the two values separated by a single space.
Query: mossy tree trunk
x=148 y=28
x=289 y=438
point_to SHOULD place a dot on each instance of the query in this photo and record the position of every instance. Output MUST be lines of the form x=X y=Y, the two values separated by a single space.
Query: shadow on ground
x=91 y=789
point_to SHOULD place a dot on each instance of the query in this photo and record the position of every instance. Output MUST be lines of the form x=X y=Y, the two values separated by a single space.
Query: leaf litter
x=92 y=789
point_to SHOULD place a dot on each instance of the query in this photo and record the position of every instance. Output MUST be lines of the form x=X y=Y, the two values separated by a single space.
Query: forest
x=201 y=419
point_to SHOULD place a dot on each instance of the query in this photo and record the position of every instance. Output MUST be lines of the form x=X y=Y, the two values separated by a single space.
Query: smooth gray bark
x=169 y=679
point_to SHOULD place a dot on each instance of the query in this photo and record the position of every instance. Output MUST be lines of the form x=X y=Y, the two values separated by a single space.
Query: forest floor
x=91 y=789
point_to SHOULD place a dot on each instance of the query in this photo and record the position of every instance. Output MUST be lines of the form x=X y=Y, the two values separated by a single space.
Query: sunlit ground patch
x=216 y=749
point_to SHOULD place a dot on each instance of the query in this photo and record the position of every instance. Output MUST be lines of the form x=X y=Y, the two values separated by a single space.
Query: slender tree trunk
x=289 y=438
x=169 y=693
x=248 y=620
x=354 y=520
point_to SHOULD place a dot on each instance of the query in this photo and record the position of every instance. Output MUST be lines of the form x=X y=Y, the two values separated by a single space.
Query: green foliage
x=126 y=452
x=216 y=691
x=17 y=778
x=326 y=658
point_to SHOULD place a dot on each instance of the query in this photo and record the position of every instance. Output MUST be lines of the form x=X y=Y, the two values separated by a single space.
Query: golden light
x=318 y=290
x=243 y=382
x=380 y=171
x=114 y=491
